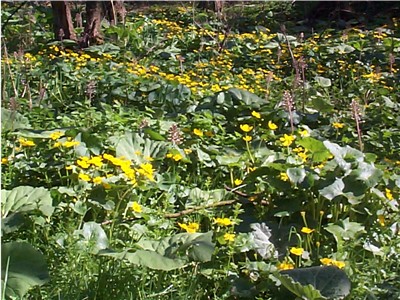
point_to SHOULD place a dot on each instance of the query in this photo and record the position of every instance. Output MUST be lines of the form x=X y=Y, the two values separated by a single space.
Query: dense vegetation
x=200 y=156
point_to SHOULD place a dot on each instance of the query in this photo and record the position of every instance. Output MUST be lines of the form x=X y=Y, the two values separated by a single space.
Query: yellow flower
x=332 y=262
x=283 y=176
x=190 y=228
x=296 y=251
x=303 y=156
x=4 y=160
x=68 y=167
x=272 y=126
x=337 y=125
x=96 y=161
x=246 y=127
x=287 y=140
x=304 y=133
x=26 y=143
x=229 y=237
x=187 y=151
x=339 y=264
x=256 y=114
x=307 y=230
x=56 y=135
x=198 y=132
x=83 y=162
x=247 y=138
x=223 y=221
x=389 y=194
x=326 y=261
x=285 y=266
x=70 y=143
x=147 y=171
x=84 y=177
x=97 y=180
x=136 y=207
x=238 y=181
x=57 y=145
x=381 y=220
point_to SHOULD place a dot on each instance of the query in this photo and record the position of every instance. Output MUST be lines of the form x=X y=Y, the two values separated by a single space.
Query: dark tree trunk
x=94 y=16
x=63 y=26
x=115 y=11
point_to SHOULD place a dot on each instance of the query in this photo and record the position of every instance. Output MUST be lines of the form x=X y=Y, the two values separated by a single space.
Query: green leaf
x=94 y=236
x=154 y=135
x=26 y=198
x=22 y=267
x=39 y=134
x=322 y=104
x=169 y=253
x=323 y=82
x=261 y=235
x=333 y=190
x=206 y=197
x=198 y=246
x=248 y=98
x=12 y=120
x=12 y=222
x=134 y=147
x=154 y=260
x=296 y=175
x=306 y=292
x=324 y=282
x=345 y=230
x=319 y=152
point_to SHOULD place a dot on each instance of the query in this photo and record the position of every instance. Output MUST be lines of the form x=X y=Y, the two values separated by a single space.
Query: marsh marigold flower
x=198 y=132
x=332 y=262
x=190 y=228
x=136 y=207
x=337 y=125
x=70 y=143
x=247 y=138
x=223 y=221
x=272 y=126
x=84 y=177
x=246 y=127
x=97 y=180
x=256 y=114
x=307 y=230
x=285 y=266
x=296 y=251
x=287 y=140
x=389 y=194
x=283 y=176
x=26 y=143
x=229 y=237
x=238 y=181
x=56 y=135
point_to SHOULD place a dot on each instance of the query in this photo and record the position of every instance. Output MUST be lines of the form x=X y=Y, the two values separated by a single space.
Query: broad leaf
x=22 y=267
x=26 y=198
x=296 y=175
x=323 y=82
x=345 y=230
x=324 y=282
x=319 y=152
x=95 y=239
x=333 y=190
x=12 y=120
x=261 y=235
x=134 y=147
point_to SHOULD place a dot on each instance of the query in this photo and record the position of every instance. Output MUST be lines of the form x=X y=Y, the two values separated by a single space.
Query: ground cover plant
x=194 y=156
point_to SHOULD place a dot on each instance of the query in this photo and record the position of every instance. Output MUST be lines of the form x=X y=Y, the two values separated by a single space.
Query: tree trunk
x=115 y=11
x=63 y=26
x=94 y=16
